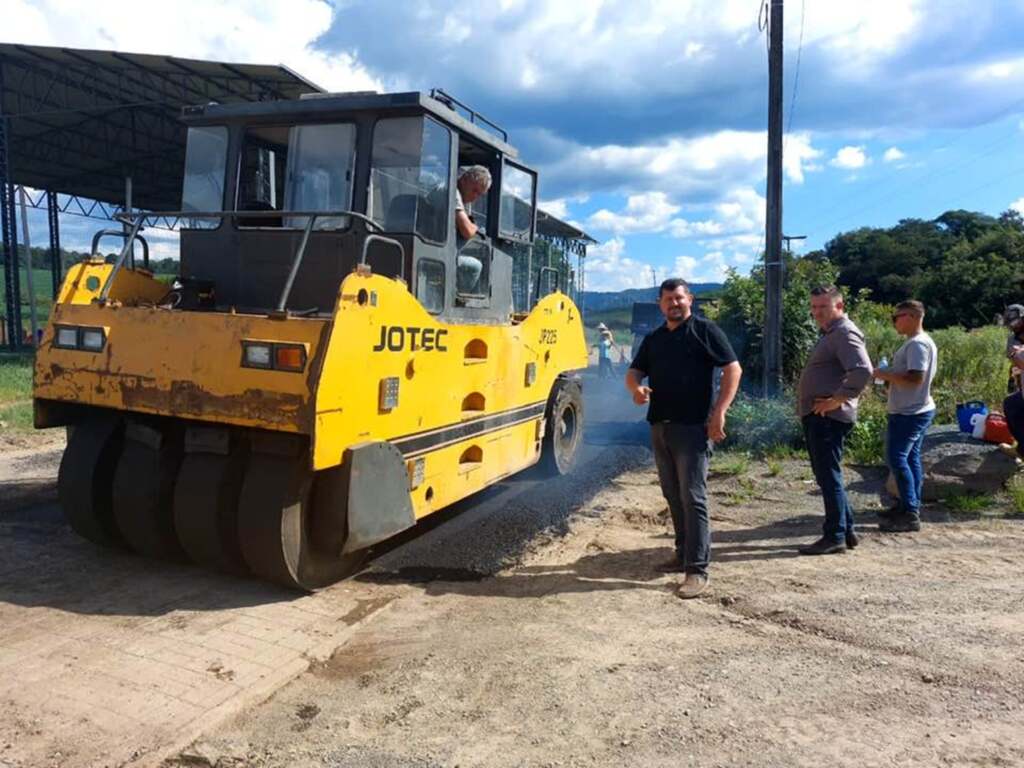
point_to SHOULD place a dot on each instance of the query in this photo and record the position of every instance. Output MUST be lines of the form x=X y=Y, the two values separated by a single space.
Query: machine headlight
x=66 y=338
x=92 y=339
x=257 y=355
x=274 y=355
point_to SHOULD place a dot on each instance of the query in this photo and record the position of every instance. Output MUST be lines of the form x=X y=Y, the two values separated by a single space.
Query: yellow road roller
x=325 y=370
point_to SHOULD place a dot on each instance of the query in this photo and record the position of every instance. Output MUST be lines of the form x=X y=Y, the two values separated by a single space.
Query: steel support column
x=53 y=217
x=12 y=287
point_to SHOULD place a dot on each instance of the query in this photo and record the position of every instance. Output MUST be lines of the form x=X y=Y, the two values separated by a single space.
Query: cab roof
x=325 y=105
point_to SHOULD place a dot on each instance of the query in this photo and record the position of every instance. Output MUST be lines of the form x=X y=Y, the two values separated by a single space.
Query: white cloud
x=850 y=158
x=649 y=212
x=609 y=269
x=739 y=210
x=238 y=31
x=893 y=154
x=998 y=70
x=685 y=167
x=710 y=268
x=559 y=207
x=1018 y=206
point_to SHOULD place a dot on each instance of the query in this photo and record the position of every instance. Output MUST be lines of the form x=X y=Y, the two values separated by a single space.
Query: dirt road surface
x=530 y=628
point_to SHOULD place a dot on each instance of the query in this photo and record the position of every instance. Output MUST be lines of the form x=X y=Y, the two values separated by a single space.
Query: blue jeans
x=681 y=453
x=903 y=440
x=825 y=438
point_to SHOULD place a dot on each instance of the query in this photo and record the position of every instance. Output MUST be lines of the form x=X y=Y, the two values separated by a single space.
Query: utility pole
x=773 y=244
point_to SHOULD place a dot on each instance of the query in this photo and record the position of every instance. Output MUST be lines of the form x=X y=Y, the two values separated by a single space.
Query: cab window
x=410 y=177
x=518 y=199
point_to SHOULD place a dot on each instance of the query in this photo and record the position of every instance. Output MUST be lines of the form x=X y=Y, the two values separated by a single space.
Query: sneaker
x=852 y=540
x=693 y=585
x=900 y=524
x=674 y=564
x=823 y=546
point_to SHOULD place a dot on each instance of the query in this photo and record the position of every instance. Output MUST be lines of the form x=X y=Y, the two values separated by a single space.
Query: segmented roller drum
x=236 y=512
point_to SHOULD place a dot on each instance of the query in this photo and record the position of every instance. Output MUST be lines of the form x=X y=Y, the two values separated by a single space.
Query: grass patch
x=774 y=467
x=16 y=417
x=747 y=491
x=1015 y=488
x=968 y=503
x=15 y=377
x=731 y=464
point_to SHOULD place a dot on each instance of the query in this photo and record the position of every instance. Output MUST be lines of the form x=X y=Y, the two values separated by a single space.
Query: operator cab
x=385 y=167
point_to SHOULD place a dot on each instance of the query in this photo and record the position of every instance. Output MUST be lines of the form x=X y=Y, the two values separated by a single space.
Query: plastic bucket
x=964 y=411
x=996 y=429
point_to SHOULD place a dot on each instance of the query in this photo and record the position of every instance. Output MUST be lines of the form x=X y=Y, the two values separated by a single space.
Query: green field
x=43 y=288
x=15 y=392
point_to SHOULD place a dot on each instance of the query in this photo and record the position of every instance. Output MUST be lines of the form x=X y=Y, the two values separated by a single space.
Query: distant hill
x=602 y=301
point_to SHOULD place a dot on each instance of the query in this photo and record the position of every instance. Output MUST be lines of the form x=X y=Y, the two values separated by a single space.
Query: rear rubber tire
x=275 y=526
x=86 y=478
x=206 y=510
x=144 y=491
x=563 y=434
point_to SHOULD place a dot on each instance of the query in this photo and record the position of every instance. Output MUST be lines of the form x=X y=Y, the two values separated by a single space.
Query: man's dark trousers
x=1013 y=410
x=681 y=452
x=825 y=438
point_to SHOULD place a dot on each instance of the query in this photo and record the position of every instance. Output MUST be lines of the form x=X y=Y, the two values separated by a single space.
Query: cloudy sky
x=646 y=119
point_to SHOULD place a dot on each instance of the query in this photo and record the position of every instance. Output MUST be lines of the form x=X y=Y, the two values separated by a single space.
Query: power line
x=796 y=76
x=921 y=180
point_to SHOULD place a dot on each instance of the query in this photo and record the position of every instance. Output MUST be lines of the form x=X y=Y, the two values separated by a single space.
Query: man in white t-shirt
x=911 y=410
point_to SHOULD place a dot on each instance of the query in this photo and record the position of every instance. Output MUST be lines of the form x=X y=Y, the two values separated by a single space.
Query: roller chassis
x=213 y=479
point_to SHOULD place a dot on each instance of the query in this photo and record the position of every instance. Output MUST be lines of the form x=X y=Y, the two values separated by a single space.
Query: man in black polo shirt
x=679 y=359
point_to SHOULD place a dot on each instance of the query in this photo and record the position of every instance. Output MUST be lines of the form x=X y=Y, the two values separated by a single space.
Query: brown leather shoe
x=693 y=585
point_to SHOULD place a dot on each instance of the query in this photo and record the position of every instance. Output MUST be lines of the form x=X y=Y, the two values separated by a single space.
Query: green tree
x=741 y=314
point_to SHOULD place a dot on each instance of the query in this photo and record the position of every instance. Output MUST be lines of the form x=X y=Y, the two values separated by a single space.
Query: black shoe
x=890 y=512
x=900 y=524
x=673 y=565
x=823 y=546
x=852 y=540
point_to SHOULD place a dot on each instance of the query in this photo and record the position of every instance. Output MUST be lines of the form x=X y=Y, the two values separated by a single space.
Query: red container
x=996 y=429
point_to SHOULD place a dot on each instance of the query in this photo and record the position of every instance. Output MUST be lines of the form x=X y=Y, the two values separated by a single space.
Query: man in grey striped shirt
x=837 y=371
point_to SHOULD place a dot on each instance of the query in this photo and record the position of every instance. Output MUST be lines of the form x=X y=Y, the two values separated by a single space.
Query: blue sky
x=647 y=119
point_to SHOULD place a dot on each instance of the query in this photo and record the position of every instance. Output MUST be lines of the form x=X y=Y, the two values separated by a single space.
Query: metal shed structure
x=95 y=133
x=101 y=129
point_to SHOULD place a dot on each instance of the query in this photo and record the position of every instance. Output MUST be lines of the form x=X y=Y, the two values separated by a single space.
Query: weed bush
x=758 y=425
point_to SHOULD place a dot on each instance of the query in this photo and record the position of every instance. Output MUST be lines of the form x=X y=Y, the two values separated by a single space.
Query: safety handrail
x=540 y=276
x=94 y=251
x=129 y=240
x=137 y=219
x=129 y=218
x=387 y=241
